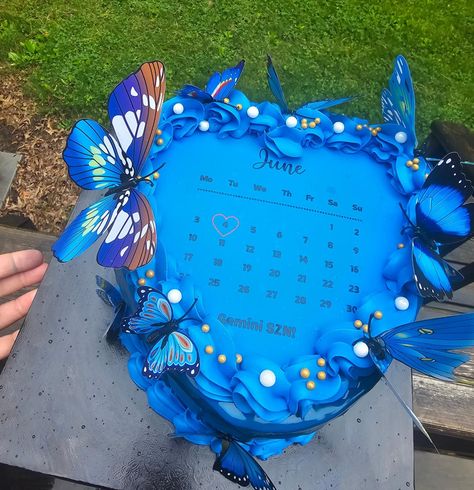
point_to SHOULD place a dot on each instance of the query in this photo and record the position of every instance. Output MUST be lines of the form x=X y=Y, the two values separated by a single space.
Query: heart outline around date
x=225 y=225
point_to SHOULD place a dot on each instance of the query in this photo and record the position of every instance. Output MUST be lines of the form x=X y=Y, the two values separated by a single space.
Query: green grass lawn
x=76 y=51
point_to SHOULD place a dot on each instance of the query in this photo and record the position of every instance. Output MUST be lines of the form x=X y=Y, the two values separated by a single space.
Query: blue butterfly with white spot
x=438 y=216
x=238 y=466
x=218 y=87
x=99 y=160
x=277 y=91
x=172 y=350
x=398 y=101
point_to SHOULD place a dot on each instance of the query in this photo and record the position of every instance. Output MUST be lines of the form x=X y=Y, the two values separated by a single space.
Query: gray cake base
x=68 y=408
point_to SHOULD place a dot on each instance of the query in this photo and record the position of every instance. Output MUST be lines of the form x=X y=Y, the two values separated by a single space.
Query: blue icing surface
x=281 y=235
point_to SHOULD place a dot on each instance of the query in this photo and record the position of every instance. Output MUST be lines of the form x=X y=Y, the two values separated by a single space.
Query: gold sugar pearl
x=160 y=141
x=359 y=127
x=311 y=385
x=239 y=107
x=400 y=245
x=409 y=163
x=141 y=281
x=150 y=273
x=378 y=314
x=238 y=358
x=357 y=324
x=317 y=120
x=159 y=132
x=321 y=362
x=378 y=128
x=304 y=373
x=416 y=160
x=374 y=132
x=304 y=121
x=365 y=328
x=205 y=328
x=415 y=167
x=226 y=100
x=304 y=126
x=321 y=375
x=312 y=124
x=221 y=358
x=156 y=175
x=209 y=349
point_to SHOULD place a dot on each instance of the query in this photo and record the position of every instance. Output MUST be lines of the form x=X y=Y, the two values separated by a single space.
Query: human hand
x=17 y=270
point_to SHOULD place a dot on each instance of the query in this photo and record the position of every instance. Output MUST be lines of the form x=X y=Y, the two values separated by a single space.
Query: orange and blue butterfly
x=112 y=161
x=218 y=87
x=172 y=350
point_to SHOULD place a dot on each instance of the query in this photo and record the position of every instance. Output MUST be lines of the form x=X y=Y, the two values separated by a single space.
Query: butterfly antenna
x=182 y=317
x=152 y=172
x=406 y=215
x=369 y=325
x=410 y=412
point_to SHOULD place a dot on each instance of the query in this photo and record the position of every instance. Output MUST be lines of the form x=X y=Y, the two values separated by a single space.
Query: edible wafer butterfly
x=218 y=87
x=171 y=350
x=238 y=466
x=99 y=160
x=438 y=216
x=277 y=91
x=398 y=101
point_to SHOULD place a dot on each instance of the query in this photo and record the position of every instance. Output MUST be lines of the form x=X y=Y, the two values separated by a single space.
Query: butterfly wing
x=176 y=352
x=220 y=86
x=93 y=156
x=439 y=209
x=433 y=275
x=108 y=293
x=131 y=240
x=275 y=86
x=86 y=228
x=135 y=108
x=398 y=103
x=426 y=345
x=153 y=311
x=195 y=93
x=321 y=105
x=238 y=466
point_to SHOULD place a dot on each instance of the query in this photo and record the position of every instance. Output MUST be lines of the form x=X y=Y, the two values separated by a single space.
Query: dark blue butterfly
x=440 y=217
x=100 y=160
x=238 y=466
x=217 y=88
x=112 y=297
x=425 y=345
x=398 y=101
x=172 y=350
x=277 y=91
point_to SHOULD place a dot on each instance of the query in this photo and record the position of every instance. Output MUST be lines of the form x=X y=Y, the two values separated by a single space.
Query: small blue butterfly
x=398 y=101
x=440 y=217
x=99 y=160
x=111 y=297
x=277 y=91
x=218 y=87
x=172 y=350
x=238 y=466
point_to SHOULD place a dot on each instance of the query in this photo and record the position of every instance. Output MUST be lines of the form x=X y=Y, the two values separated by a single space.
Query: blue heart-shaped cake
x=271 y=262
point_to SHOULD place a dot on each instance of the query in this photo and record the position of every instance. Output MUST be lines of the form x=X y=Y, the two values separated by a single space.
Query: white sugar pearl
x=291 y=122
x=401 y=137
x=338 y=127
x=402 y=303
x=174 y=296
x=267 y=378
x=252 y=112
x=204 y=125
x=361 y=349
x=178 y=108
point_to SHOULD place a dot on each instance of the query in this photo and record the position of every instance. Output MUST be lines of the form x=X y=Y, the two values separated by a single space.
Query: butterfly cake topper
x=113 y=161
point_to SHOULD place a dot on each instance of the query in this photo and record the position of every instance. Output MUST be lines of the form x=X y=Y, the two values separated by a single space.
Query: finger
x=6 y=344
x=21 y=280
x=16 y=309
x=15 y=262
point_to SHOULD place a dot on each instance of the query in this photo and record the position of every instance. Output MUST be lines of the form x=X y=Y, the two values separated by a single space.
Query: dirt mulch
x=42 y=190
